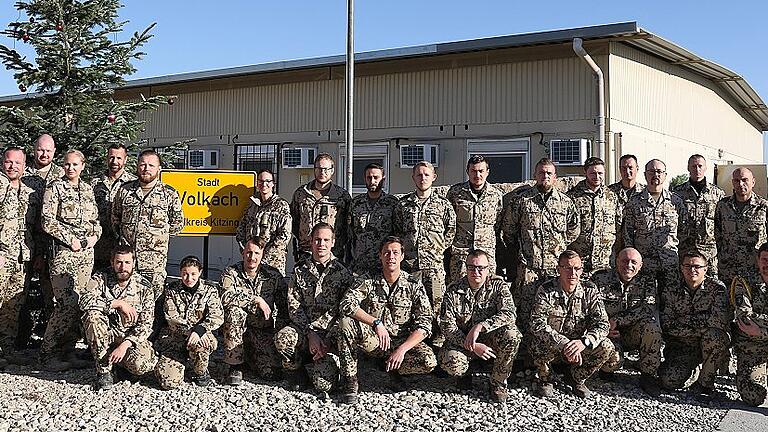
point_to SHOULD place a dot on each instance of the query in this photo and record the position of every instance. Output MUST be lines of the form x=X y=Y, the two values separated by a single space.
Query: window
x=508 y=160
x=256 y=157
x=364 y=154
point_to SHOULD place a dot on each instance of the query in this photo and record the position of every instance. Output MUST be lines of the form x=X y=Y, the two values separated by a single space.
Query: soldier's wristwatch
x=375 y=323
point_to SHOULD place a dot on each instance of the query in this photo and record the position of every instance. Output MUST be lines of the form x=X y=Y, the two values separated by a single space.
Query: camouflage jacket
x=490 y=305
x=307 y=211
x=541 y=228
x=70 y=213
x=600 y=217
x=749 y=299
x=369 y=223
x=16 y=221
x=38 y=181
x=652 y=228
x=478 y=217
x=104 y=190
x=403 y=308
x=427 y=228
x=629 y=303
x=191 y=309
x=238 y=290
x=558 y=318
x=739 y=234
x=699 y=232
x=624 y=195
x=104 y=288
x=686 y=314
x=270 y=220
x=314 y=293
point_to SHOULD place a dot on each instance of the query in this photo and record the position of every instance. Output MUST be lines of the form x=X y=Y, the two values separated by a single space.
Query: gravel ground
x=43 y=401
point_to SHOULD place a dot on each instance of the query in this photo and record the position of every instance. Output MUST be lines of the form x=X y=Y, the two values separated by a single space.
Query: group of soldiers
x=539 y=274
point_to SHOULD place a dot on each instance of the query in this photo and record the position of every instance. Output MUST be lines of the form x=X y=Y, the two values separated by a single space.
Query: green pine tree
x=76 y=68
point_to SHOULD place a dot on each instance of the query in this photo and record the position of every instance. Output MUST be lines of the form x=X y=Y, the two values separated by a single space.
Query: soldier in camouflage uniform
x=314 y=294
x=700 y=199
x=370 y=221
x=269 y=217
x=71 y=218
x=630 y=301
x=750 y=300
x=320 y=201
x=569 y=324
x=625 y=189
x=193 y=312
x=740 y=228
x=600 y=217
x=652 y=220
x=118 y=308
x=387 y=316
x=105 y=188
x=478 y=206
x=694 y=321
x=248 y=291
x=145 y=214
x=540 y=224
x=478 y=320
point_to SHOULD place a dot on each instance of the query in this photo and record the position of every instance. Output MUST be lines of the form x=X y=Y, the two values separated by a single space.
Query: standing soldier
x=71 y=218
x=740 y=228
x=478 y=206
x=145 y=214
x=105 y=188
x=370 y=221
x=269 y=217
x=652 y=219
x=319 y=201
x=600 y=216
x=628 y=186
x=700 y=199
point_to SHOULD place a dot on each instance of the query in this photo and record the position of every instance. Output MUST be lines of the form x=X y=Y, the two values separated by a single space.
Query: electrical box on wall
x=569 y=151
x=203 y=158
x=412 y=154
x=299 y=157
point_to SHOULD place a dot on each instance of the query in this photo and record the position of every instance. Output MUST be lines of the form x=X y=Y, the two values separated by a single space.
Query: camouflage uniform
x=695 y=332
x=699 y=232
x=557 y=318
x=105 y=328
x=245 y=330
x=146 y=223
x=197 y=309
x=270 y=220
x=491 y=306
x=623 y=196
x=633 y=307
x=478 y=218
x=369 y=223
x=751 y=301
x=739 y=233
x=540 y=226
x=105 y=189
x=69 y=213
x=307 y=211
x=314 y=294
x=600 y=217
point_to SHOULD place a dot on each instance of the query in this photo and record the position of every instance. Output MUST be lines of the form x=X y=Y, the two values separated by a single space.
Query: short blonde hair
x=75 y=152
x=423 y=164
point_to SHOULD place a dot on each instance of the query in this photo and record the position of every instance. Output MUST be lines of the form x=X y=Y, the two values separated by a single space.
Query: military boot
x=498 y=394
x=203 y=380
x=235 y=377
x=349 y=391
x=55 y=365
x=297 y=380
x=577 y=387
x=104 y=381
x=649 y=385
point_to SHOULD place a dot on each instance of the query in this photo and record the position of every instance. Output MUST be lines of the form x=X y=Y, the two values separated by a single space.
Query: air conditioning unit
x=203 y=158
x=299 y=157
x=569 y=151
x=412 y=154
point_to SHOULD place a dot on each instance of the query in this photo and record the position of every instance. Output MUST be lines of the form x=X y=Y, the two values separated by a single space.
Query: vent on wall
x=569 y=152
x=298 y=157
x=203 y=158
x=412 y=154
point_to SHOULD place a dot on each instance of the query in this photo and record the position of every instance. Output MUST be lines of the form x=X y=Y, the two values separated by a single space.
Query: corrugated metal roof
x=627 y=32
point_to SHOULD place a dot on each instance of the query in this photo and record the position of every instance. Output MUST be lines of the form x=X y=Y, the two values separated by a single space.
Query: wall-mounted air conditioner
x=411 y=154
x=299 y=157
x=569 y=151
x=203 y=158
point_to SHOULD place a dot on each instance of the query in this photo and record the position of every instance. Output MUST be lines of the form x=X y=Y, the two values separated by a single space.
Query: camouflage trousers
x=683 y=355
x=254 y=346
x=752 y=355
x=457 y=266
x=175 y=355
x=504 y=342
x=70 y=272
x=293 y=348
x=592 y=359
x=663 y=269
x=103 y=338
x=11 y=300
x=524 y=293
x=644 y=336
x=353 y=335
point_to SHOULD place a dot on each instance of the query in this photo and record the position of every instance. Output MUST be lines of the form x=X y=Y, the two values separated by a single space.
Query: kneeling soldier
x=478 y=321
x=193 y=312
x=569 y=323
x=118 y=308
x=387 y=316
x=248 y=297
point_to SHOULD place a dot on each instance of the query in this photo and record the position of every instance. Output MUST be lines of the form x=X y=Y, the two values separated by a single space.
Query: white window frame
x=502 y=147
x=268 y=156
x=367 y=150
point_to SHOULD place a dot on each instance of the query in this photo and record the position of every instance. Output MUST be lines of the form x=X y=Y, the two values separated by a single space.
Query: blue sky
x=197 y=35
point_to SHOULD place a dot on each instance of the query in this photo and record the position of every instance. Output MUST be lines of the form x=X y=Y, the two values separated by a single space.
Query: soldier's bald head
x=743 y=172
x=630 y=253
x=45 y=140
